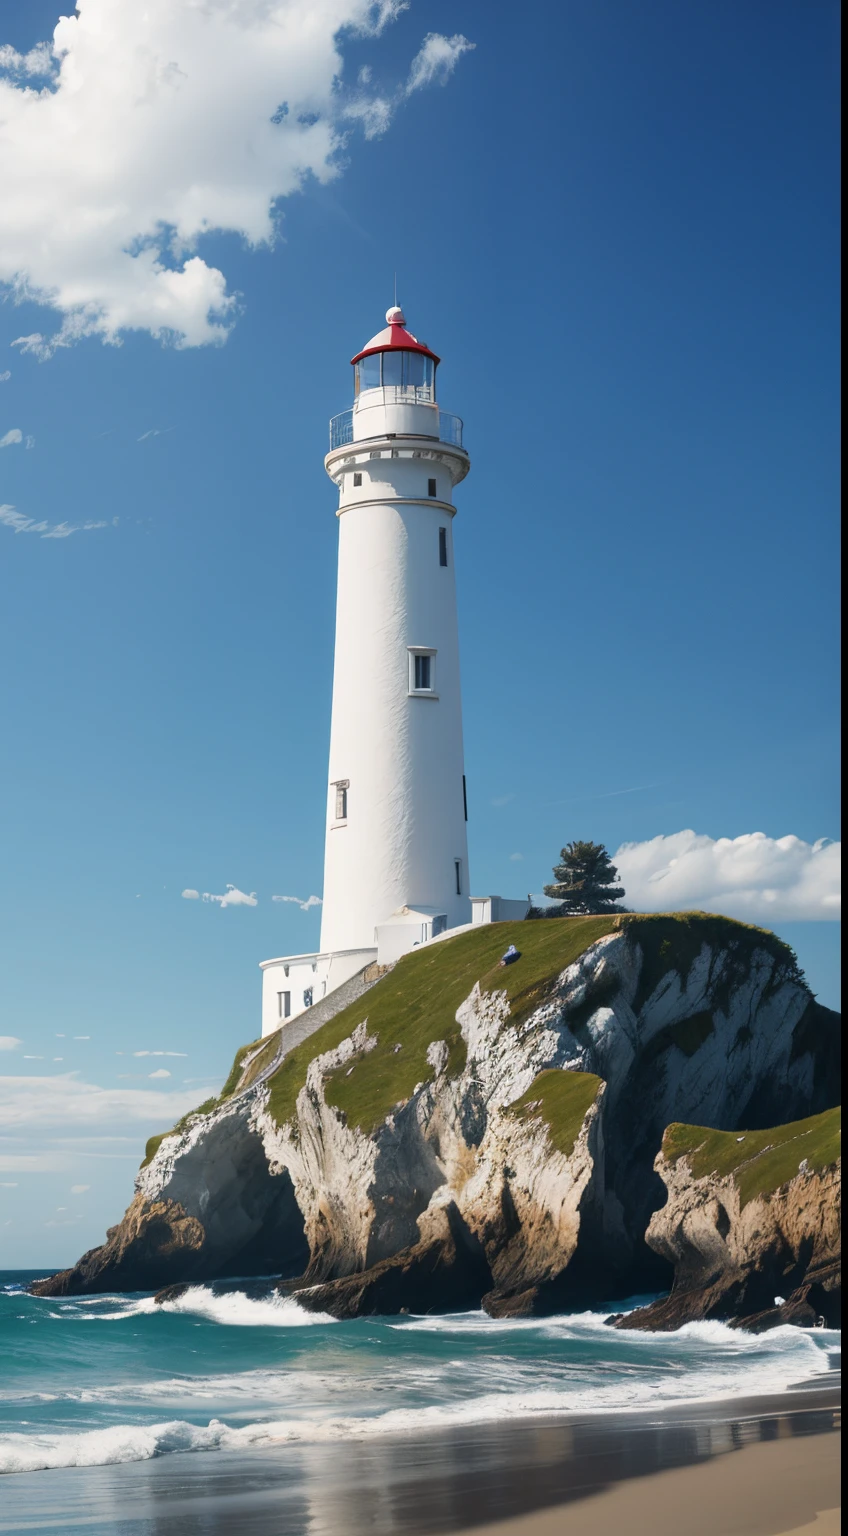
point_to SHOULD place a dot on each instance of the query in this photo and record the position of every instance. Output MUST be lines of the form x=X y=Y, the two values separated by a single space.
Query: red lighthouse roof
x=395 y=335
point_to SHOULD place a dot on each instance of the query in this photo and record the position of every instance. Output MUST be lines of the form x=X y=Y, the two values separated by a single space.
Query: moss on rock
x=759 y=1161
x=562 y=1100
x=417 y=1003
x=673 y=942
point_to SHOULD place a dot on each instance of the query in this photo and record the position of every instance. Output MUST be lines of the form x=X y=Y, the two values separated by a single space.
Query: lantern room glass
x=406 y=375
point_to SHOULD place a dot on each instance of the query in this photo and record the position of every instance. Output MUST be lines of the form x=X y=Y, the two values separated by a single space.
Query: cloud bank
x=141 y=128
x=38 y=1102
x=753 y=877
x=311 y=901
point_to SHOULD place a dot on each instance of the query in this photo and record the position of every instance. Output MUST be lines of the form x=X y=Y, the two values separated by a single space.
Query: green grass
x=562 y=1100
x=231 y=1084
x=763 y=1160
x=261 y=1060
x=417 y=1003
x=673 y=941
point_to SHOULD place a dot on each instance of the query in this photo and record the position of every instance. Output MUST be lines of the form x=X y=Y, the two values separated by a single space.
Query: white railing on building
x=341 y=429
x=341 y=426
x=450 y=428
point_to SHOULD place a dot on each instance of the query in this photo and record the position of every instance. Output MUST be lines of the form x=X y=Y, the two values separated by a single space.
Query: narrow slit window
x=307 y=997
x=443 y=546
x=357 y=478
x=457 y=869
x=284 y=1005
x=341 y=802
x=431 y=487
x=423 y=673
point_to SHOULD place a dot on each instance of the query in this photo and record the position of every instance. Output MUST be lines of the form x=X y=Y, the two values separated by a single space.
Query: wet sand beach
x=769 y=1489
x=735 y=1468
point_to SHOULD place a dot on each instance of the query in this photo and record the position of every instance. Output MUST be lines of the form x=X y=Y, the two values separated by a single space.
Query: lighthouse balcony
x=448 y=426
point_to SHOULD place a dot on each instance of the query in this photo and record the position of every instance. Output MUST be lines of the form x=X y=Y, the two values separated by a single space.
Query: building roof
x=394 y=335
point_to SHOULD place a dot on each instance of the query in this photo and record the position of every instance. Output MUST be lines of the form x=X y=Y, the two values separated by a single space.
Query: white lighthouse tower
x=396 y=852
x=396 y=856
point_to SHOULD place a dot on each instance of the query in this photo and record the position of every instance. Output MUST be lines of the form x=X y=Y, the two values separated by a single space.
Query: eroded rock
x=462 y=1189
x=736 y=1252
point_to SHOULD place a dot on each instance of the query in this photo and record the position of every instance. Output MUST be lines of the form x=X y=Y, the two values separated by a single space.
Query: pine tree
x=585 y=881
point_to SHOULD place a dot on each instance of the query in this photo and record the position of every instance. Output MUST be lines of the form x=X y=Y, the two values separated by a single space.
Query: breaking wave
x=226 y=1370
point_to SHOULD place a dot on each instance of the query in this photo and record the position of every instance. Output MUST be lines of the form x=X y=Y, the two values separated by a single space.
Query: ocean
x=100 y=1380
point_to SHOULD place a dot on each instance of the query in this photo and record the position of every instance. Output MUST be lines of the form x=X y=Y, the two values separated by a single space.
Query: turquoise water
x=98 y=1380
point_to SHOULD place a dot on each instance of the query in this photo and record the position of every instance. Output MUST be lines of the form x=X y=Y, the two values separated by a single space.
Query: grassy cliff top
x=417 y=1003
x=759 y=1161
x=562 y=1100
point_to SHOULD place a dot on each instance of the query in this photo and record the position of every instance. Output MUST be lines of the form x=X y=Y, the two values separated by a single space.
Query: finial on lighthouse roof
x=394 y=336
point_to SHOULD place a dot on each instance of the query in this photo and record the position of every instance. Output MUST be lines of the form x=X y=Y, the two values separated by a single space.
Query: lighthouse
x=396 y=854
x=395 y=849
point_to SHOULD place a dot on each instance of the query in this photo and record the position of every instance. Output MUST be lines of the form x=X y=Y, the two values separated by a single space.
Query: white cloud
x=33 y=1162
x=38 y=61
x=156 y=1053
x=191 y=895
x=7 y=1184
x=757 y=878
x=516 y=858
x=19 y=523
x=233 y=897
x=155 y=432
x=436 y=60
x=14 y=435
x=154 y=125
x=311 y=901
x=160 y=1072
x=65 y=1099
x=80 y=1189
x=6 y=375
x=30 y=443
x=9 y=1042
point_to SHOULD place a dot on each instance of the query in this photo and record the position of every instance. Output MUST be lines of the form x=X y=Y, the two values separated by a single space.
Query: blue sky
x=618 y=227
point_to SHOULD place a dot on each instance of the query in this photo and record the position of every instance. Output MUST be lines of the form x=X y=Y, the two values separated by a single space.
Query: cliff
x=751 y=1225
x=465 y=1131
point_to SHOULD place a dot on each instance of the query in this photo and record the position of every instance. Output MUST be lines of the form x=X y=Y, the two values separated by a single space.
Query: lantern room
x=396 y=361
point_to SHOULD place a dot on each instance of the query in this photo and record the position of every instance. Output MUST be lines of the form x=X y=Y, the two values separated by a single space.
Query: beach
x=740 y=1467
x=769 y=1489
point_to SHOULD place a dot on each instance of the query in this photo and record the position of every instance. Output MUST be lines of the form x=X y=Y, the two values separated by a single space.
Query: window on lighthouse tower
x=422 y=672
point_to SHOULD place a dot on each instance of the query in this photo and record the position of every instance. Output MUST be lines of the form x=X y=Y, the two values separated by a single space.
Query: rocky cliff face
x=464 y=1131
x=751 y=1226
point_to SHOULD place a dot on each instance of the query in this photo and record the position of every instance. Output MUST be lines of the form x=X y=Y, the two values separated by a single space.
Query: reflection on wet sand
x=416 y=1485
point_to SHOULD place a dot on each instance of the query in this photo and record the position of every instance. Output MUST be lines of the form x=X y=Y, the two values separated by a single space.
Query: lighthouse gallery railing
x=341 y=429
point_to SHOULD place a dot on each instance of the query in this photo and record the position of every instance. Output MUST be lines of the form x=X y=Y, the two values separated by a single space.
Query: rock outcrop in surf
x=465 y=1133
x=751 y=1226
